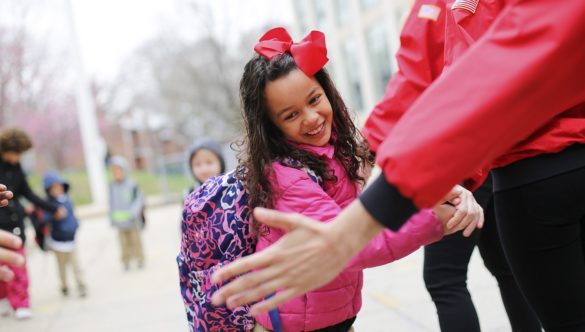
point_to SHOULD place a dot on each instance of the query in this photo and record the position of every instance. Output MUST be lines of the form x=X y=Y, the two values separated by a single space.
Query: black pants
x=341 y=327
x=542 y=228
x=445 y=276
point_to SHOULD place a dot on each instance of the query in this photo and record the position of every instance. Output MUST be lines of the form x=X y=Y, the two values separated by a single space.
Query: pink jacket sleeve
x=303 y=195
x=421 y=229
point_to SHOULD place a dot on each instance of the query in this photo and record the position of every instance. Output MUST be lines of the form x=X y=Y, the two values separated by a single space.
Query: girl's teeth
x=316 y=131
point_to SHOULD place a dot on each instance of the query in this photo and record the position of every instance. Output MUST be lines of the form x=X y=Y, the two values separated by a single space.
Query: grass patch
x=150 y=184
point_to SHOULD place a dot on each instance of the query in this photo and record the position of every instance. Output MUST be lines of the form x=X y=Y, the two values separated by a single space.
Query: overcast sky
x=109 y=30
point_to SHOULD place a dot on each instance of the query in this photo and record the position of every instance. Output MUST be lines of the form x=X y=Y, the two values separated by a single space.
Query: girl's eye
x=291 y=115
x=315 y=99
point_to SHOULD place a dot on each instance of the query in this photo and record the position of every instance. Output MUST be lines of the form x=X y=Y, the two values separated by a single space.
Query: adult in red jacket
x=421 y=61
x=515 y=102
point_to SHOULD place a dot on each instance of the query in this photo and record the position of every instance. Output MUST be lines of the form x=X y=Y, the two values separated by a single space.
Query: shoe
x=82 y=291
x=126 y=267
x=5 y=308
x=65 y=291
x=141 y=265
x=22 y=313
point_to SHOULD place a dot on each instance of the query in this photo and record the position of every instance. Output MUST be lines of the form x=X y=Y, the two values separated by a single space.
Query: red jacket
x=420 y=62
x=512 y=87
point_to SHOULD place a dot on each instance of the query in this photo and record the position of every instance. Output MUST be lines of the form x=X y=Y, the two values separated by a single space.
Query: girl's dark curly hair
x=264 y=143
x=14 y=140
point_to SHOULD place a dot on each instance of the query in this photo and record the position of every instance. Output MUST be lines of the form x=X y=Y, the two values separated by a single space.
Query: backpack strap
x=274 y=316
x=274 y=313
x=275 y=320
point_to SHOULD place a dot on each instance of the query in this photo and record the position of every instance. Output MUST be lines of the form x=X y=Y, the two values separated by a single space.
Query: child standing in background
x=205 y=161
x=63 y=231
x=13 y=144
x=126 y=207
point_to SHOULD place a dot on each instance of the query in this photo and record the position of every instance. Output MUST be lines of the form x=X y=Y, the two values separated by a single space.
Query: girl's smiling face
x=298 y=106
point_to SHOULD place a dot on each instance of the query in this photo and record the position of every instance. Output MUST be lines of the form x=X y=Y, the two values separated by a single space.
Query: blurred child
x=13 y=143
x=205 y=161
x=62 y=236
x=126 y=210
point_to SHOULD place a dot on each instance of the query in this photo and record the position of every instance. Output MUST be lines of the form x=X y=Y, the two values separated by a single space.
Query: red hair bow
x=310 y=54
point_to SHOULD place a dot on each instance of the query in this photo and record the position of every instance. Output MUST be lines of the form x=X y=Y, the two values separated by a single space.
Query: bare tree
x=191 y=84
x=33 y=89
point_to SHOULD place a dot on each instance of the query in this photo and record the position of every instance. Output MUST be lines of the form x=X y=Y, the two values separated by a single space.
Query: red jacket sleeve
x=420 y=62
x=526 y=69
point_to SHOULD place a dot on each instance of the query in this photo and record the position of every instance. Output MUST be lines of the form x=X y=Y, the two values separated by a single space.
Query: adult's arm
x=36 y=200
x=527 y=69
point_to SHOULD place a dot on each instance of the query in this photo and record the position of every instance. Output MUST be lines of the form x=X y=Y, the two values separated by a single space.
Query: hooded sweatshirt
x=62 y=230
x=126 y=200
x=206 y=143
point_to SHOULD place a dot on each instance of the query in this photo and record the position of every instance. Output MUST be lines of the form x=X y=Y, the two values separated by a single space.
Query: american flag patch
x=469 y=5
x=429 y=12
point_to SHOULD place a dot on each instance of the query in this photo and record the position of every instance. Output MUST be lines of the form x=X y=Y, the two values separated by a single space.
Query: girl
x=295 y=118
x=302 y=154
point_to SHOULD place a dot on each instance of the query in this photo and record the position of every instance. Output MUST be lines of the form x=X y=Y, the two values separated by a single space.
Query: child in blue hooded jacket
x=63 y=231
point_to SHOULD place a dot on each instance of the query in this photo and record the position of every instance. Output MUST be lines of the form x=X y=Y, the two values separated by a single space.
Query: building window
x=320 y=14
x=331 y=71
x=352 y=69
x=343 y=11
x=380 y=59
x=367 y=4
x=301 y=13
x=400 y=16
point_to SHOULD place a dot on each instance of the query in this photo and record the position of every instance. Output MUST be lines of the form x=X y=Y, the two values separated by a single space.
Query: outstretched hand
x=307 y=257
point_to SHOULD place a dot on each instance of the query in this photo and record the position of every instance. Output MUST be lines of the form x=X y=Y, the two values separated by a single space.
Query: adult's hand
x=5 y=195
x=7 y=256
x=310 y=255
x=468 y=213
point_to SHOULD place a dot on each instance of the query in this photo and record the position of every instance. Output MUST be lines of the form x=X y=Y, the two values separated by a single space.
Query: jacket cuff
x=386 y=204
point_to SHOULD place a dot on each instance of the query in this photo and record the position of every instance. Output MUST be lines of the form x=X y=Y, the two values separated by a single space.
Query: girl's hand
x=468 y=214
x=445 y=213
x=366 y=171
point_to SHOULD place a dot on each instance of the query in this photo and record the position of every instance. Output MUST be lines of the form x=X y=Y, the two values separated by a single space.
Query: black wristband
x=385 y=203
